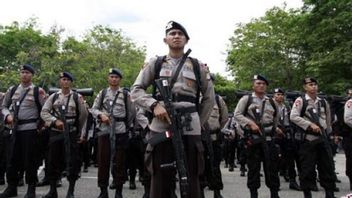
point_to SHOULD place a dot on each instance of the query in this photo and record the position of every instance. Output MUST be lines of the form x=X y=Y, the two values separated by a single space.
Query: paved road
x=235 y=186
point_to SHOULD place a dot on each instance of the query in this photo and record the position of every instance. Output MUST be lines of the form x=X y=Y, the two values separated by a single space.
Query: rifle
x=67 y=143
x=176 y=131
x=315 y=119
x=210 y=155
x=112 y=133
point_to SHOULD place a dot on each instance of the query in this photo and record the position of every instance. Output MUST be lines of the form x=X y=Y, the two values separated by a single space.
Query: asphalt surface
x=234 y=186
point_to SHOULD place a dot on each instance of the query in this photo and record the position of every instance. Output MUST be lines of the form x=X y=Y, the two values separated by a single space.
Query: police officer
x=347 y=138
x=257 y=114
x=113 y=108
x=2 y=144
x=69 y=106
x=21 y=109
x=185 y=89
x=288 y=143
x=312 y=114
x=214 y=124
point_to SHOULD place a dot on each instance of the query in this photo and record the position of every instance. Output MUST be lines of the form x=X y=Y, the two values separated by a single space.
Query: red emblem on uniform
x=349 y=104
x=297 y=103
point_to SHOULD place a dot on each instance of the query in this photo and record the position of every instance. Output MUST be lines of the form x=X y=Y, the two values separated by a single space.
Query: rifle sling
x=179 y=67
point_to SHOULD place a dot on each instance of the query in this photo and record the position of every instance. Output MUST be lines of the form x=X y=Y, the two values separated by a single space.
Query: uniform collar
x=30 y=86
x=309 y=98
x=255 y=96
x=60 y=91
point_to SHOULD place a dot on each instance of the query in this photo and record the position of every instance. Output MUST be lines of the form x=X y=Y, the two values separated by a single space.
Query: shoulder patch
x=298 y=103
x=349 y=104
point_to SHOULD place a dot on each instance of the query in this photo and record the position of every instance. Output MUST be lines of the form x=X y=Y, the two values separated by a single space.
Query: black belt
x=20 y=122
x=118 y=119
x=179 y=98
x=185 y=110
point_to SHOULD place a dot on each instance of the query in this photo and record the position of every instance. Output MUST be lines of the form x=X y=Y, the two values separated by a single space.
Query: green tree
x=268 y=46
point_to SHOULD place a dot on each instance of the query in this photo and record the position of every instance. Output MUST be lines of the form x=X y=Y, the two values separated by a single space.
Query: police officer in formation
x=21 y=111
x=214 y=124
x=347 y=138
x=115 y=112
x=288 y=143
x=312 y=115
x=186 y=100
x=257 y=114
x=65 y=113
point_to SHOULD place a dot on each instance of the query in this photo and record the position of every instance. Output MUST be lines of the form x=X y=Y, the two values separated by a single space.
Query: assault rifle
x=67 y=142
x=176 y=130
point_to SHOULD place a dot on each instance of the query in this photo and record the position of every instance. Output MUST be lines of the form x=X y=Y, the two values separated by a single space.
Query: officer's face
x=26 y=76
x=175 y=39
x=311 y=88
x=259 y=86
x=65 y=83
x=279 y=97
x=114 y=80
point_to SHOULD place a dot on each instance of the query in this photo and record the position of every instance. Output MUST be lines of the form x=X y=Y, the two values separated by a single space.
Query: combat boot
x=329 y=194
x=274 y=194
x=146 y=191
x=254 y=193
x=103 y=192
x=30 y=191
x=52 y=192
x=10 y=191
x=71 y=189
x=132 y=183
x=217 y=194
x=294 y=186
x=118 y=192
x=307 y=194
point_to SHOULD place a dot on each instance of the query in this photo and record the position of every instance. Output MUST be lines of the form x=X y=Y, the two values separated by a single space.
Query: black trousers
x=266 y=152
x=347 y=147
x=22 y=156
x=57 y=158
x=318 y=154
x=135 y=157
x=293 y=158
x=119 y=162
x=213 y=177
x=163 y=179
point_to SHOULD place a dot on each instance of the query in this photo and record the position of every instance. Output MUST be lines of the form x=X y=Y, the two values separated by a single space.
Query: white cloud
x=209 y=23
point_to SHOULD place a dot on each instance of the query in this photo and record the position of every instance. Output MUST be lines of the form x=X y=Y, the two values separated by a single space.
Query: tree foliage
x=88 y=59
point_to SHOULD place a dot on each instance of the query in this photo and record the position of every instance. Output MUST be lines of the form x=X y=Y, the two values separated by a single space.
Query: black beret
x=28 y=67
x=279 y=90
x=67 y=75
x=115 y=71
x=260 y=77
x=309 y=80
x=174 y=25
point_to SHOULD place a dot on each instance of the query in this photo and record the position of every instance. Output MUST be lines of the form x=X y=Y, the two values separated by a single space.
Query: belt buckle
x=213 y=137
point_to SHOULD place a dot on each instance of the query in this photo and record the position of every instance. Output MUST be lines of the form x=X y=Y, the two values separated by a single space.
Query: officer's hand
x=279 y=132
x=81 y=140
x=59 y=124
x=161 y=113
x=315 y=128
x=104 y=119
x=254 y=127
x=9 y=120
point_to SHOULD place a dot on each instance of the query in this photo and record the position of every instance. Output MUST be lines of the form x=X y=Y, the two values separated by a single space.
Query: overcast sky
x=209 y=23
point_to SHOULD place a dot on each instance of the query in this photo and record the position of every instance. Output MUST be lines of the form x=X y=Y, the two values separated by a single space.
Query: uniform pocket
x=148 y=159
x=200 y=157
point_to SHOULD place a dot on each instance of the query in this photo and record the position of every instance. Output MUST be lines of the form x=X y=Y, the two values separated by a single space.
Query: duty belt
x=186 y=110
x=180 y=98
x=119 y=119
x=20 y=122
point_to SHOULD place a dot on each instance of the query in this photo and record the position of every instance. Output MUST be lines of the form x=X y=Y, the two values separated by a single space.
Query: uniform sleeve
x=45 y=113
x=328 y=118
x=208 y=95
x=239 y=112
x=5 y=104
x=83 y=116
x=295 y=115
x=96 y=108
x=224 y=112
x=347 y=116
x=145 y=78
x=42 y=96
x=131 y=112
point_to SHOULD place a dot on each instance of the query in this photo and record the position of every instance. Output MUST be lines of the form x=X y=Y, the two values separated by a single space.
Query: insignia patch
x=297 y=103
x=349 y=104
